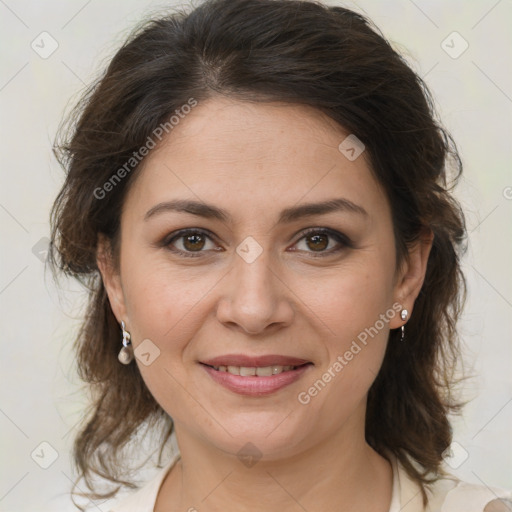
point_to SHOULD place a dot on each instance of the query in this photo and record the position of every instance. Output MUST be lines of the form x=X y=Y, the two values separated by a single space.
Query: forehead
x=222 y=129
x=255 y=156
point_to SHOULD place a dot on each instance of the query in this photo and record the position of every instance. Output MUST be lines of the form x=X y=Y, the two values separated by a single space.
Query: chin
x=262 y=435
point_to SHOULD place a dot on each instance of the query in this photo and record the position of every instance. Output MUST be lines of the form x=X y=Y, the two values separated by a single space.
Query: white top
x=448 y=494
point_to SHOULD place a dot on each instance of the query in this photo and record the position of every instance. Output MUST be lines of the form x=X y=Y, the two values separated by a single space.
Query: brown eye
x=189 y=241
x=318 y=242
x=323 y=241
x=193 y=242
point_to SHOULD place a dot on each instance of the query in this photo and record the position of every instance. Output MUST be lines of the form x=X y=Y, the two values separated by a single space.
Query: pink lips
x=255 y=385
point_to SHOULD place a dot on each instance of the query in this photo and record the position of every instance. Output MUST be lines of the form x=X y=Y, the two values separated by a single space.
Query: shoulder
x=450 y=494
x=144 y=499
x=467 y=497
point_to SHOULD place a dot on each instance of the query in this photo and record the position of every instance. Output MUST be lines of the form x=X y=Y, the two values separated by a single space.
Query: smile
x=256 y=381
x=260 y=371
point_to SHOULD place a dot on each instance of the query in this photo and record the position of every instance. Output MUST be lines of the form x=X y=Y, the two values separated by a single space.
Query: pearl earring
x=125 y=355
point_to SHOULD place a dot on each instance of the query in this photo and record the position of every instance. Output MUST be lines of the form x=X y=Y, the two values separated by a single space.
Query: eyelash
x=342 y=239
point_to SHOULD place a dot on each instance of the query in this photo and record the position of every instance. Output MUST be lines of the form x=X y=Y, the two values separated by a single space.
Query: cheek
x=355 y=307
x=351 y=298
x=167 y=305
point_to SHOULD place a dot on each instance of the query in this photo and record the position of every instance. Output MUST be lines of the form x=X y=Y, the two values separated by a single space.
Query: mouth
x=255 y=377
x=256 y=371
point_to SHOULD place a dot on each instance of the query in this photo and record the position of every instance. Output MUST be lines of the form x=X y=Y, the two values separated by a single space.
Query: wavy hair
x=299 y=52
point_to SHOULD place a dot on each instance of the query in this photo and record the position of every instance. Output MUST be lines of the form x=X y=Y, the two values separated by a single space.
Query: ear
x=111 y=277
x=412 y=275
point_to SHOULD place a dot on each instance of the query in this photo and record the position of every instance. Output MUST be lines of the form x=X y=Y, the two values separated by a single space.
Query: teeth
x=266 y=371
x=246 y=371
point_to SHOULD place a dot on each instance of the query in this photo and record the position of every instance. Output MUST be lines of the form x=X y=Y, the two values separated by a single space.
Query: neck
x=338 y=474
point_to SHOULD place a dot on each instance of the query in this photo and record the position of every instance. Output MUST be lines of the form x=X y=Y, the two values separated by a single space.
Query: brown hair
x=299 y=52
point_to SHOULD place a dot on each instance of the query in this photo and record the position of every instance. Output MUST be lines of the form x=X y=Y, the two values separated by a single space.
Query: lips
x=256 y=385
x=254 y=361
x=255 y=375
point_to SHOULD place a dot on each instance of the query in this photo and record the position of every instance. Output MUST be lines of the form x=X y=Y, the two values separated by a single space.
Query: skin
x=253 y=160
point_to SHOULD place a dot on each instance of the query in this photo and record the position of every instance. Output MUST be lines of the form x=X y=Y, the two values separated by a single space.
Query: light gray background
x=40 y=397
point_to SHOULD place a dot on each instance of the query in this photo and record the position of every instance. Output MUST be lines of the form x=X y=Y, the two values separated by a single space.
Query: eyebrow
x=288 y=215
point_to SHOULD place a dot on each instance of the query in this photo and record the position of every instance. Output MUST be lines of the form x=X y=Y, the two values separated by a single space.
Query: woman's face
x=255 y=283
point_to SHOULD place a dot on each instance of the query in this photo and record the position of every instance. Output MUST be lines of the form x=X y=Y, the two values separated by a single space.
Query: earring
x=125 y=355
x=403 y=315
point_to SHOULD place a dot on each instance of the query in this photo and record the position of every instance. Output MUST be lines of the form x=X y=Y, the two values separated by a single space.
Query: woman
x=258 y=197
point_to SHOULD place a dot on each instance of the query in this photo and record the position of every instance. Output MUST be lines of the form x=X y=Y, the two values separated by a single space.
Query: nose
x=255 y=298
